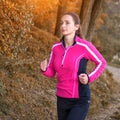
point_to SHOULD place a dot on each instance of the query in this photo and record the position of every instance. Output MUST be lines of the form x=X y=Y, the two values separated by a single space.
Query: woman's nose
x=63 y=25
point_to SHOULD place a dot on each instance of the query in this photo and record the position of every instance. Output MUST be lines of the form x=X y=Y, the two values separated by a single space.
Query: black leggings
x=72 y=109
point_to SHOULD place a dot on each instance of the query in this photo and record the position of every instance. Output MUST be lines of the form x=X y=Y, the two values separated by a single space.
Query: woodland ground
x=112 y=112
x=27 y=95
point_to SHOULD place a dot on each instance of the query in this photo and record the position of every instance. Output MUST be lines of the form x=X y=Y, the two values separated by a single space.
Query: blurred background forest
x=28 y=28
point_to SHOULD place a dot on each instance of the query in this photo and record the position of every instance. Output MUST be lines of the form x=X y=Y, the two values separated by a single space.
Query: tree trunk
x=85 y=15
x=61 y=10
x=94 y=16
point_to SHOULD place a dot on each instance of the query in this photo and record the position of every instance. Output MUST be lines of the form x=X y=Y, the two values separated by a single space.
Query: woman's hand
x=43 y=65
x=83 y=78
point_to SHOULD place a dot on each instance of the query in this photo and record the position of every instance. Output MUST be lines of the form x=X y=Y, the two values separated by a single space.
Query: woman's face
x=68 y=26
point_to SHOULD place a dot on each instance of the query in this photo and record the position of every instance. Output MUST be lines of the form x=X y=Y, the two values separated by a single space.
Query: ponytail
x=80 y=33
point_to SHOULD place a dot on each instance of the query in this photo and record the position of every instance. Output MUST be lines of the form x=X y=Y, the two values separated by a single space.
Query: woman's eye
x=61 y=23
x=67 y=23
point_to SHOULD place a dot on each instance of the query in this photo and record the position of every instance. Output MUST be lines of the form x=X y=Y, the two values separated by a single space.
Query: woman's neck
x=69 y=40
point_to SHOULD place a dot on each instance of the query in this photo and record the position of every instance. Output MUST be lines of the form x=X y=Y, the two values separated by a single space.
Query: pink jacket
x=64 y=62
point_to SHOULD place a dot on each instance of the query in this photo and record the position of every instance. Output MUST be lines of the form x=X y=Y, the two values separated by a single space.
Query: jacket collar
x=63 y=42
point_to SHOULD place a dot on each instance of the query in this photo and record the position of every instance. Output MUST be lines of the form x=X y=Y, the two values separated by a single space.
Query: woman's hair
x=77 y=21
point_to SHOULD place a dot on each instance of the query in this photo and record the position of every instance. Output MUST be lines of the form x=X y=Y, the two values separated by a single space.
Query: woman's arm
x=100 y=63
x=47 y=69
x=83 y=77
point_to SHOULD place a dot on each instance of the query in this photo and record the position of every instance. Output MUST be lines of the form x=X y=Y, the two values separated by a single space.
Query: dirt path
x=115 y=71
x=109 y=113
x=112 y=111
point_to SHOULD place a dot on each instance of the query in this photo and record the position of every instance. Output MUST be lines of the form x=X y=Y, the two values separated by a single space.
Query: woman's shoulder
x=82 y=41
x=56 y=44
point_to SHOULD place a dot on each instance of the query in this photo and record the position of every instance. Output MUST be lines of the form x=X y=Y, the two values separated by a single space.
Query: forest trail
x=112 y=111
x=115 y=71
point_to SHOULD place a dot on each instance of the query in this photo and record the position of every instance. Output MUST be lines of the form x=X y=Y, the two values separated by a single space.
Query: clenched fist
x=83 y=78
x=43 y=65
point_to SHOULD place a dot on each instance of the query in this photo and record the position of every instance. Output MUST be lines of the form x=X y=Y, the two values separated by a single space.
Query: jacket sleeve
x=50 y=72
x=100 y=63
x=82 y=66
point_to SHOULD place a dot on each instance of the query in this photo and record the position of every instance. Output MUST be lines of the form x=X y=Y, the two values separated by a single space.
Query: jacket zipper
x=64 y=56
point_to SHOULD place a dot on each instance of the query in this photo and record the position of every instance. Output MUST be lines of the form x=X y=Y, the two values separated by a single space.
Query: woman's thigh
x=62 y=109
x=78 y=112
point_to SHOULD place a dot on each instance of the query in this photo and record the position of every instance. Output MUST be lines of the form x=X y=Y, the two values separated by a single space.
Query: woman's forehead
x=67 y=17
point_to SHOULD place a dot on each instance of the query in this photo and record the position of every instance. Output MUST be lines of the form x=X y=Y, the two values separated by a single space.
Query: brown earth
x=112 y=112
x=25 y=94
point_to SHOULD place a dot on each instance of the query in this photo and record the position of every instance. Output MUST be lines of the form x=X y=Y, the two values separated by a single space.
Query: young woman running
x=68 y=62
